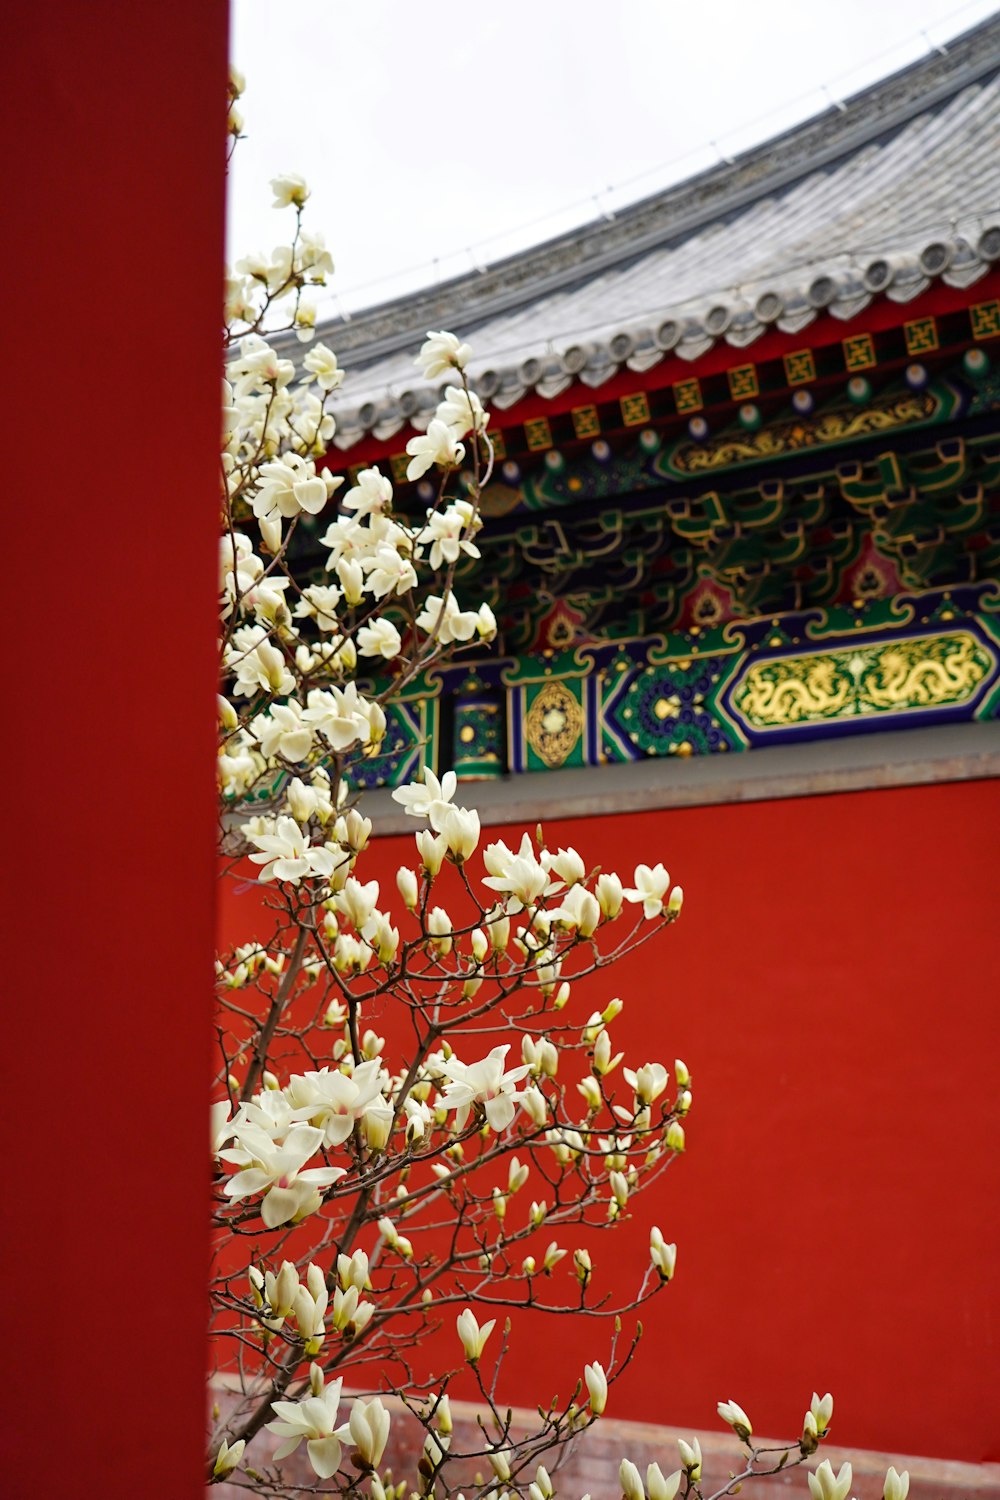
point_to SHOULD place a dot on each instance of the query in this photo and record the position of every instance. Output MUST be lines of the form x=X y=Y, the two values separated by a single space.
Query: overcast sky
x=436 y=137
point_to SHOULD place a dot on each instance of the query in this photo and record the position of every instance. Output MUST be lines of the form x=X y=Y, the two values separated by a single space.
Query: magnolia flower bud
x=675 y=1136
x=498 y=925
x=285 y=1285
x=660 y=1488
x=733 y=1413
x=608 y=890
x=499 y=1463
x=619 y=1188
x=473 y=1337
x=675 y=900
x=499 y=1204
x=809 y=1441
x=431 y=848
x=517 y=1175
x=439 y=930
x=369 y=1429
x=597 y=1387
x=479 y=943
x=542 y=1483
x=553 y=1255
x=630 y=1480
x=681 y=1074
x=821 y=1409
x=591 y=1091
x=442 y=1416
x=824 y=1485
x=691 y=1457
x=228 y=1458
x=538 y=1212
x=406 y=883
x=663 y=1256
x=534 y=1105
x=372 y=1044
x=583 y=1265
x=352 y=579
x=460 y=831
x=528 y=1265
x=897 y=1486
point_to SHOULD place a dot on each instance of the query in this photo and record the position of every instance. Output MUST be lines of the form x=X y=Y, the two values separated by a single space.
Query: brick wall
x=591 y=1466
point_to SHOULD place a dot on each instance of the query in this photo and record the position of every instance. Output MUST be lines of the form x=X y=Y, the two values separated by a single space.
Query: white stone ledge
x=857 y=762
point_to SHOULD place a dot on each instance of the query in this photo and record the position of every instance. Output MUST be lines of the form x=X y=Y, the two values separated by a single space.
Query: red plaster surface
x=832 y=985
x=113 y=161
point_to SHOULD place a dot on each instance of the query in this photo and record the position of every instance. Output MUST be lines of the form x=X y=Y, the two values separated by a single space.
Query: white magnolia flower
x=289 y=485
x=649 y=1081
x=578 y=909
x=321 y=363
x=343 y=716
x=825 y=1485
x=442 y=619
x=483 y=1083
x=650 y=888
x=520 y=876
x=388 y=572
x=438 y=445
x=314 y=256
x=281 y=732
x=473 y=1337
x=445 y=534
x=369 y=1428
x=288 y=855
x=331 y=1100
x=276 y=1171
x=381 y=638
x=441 y=352
x=371 y=494
x=429 y=798
x=257 y=664
x=357 y=900
x=288 y=188
x=311 y=1420
x=319 y=602
x=462 y=410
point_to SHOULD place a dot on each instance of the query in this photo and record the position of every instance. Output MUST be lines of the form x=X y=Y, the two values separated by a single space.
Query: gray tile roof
x=879 y=199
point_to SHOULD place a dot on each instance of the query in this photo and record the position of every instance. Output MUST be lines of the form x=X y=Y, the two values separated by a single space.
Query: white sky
x=436 y=137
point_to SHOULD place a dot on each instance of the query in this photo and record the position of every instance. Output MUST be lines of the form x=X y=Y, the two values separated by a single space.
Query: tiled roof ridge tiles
x=673 y=213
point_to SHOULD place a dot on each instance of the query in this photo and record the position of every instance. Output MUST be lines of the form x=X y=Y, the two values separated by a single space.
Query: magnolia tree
x=416 y=1130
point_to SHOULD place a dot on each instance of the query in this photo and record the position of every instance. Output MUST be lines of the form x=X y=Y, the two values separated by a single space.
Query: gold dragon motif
x=932 y=671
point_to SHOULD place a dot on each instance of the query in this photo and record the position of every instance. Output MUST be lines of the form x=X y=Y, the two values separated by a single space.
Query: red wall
x=832 y=985
x=113 y=221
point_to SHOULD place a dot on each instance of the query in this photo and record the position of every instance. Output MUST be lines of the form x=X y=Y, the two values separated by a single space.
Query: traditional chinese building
x=747 y=450
x=743 y=543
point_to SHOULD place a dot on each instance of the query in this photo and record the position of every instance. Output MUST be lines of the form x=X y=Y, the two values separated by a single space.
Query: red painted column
x=113 y=246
